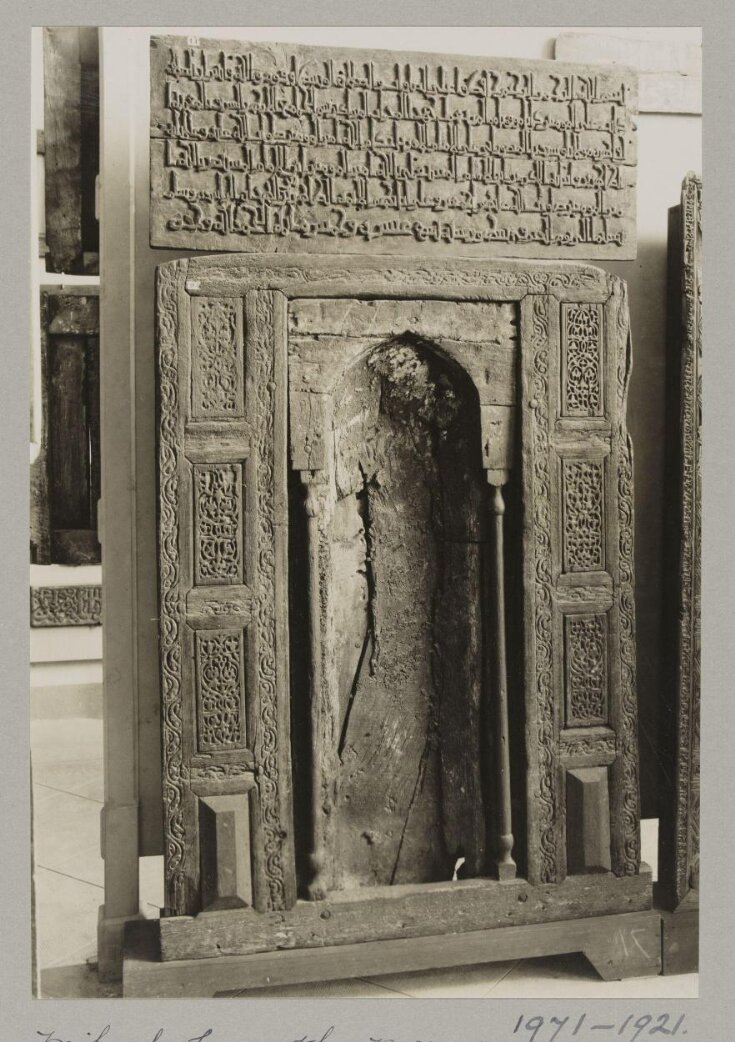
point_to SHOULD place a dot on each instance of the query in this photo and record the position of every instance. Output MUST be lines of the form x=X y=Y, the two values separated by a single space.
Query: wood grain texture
x=679 y=832
x=391 y=579
x=609 y=943
x=429 y=909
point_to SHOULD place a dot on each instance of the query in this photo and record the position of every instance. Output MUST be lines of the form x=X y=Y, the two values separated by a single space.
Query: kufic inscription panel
x=275 y=147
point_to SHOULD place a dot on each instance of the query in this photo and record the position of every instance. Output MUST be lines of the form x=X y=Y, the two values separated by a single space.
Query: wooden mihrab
x=431 y=461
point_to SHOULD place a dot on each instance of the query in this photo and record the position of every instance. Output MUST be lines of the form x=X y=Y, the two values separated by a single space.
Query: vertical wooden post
x=504 y=839
x=317 y=855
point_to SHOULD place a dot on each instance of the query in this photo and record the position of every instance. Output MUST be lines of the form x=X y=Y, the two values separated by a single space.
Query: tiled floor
x=68 y=795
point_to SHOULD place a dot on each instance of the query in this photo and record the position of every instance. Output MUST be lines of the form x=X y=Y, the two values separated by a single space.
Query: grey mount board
x=271 y=147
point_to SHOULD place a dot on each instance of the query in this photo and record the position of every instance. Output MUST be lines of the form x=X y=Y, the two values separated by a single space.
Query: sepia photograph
x=365 y=516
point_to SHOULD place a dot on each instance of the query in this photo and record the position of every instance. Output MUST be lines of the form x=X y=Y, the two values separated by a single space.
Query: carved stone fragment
x=284 y=147
x=66 y=606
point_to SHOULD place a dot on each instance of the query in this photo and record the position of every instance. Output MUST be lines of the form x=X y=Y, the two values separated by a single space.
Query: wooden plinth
x=618 y=946
x=680 y=935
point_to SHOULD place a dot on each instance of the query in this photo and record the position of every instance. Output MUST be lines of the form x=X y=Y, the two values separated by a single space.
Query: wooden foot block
x=618 y=946
x=680 y=940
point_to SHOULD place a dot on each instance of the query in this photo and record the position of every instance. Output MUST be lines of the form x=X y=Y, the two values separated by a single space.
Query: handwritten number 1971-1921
x=559 y=1029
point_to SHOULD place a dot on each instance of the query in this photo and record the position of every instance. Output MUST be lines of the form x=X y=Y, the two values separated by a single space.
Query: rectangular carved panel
x=220 y=690
x=588 y=820
x=224 y=827
x=217 y=359
x=267 y=146
x=66 y=606
x=581 y=361
x=218 y=521
x=585 y=646
x=583 y=517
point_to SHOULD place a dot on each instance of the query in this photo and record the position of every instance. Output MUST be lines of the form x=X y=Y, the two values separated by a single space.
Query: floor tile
x=84 y=778
x=471 y=982
x=67 y=836
x=571 y=976
x=67 y=918
x=151 y=883
x=65 y=741
x=78 y=981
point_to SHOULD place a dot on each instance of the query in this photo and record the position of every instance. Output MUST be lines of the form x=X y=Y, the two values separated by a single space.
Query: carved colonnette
x=271 y=147
x=224 y=623
x=679 y=828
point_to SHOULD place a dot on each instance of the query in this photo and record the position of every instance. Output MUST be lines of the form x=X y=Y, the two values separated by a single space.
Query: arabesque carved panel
x=219 y=684
x=217 y=378
x=585 y=639
x=583 y=519
x=218 y=519
x=581 y=360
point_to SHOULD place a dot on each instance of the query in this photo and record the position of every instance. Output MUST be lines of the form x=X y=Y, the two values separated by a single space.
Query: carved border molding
x=66 y=606
x=689 y=666
x=626 y=854
x=170 y=606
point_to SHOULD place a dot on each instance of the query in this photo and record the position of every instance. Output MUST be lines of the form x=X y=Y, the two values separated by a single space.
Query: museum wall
x=669 y=146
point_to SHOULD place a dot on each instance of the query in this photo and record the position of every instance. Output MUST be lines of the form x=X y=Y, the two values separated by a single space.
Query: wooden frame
x=560 y=439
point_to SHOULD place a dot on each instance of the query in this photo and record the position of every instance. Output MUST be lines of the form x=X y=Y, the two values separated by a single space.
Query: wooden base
x=618 y=946
x=680 y=936
x=402 y=911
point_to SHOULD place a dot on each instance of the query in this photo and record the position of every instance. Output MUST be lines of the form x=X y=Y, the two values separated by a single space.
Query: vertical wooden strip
x=542 y=769
x=625 y=794
x=62 y=134
x=280 y=504
x=181 y=899
x=69 y=451
x=93 y=419
x=90 y=145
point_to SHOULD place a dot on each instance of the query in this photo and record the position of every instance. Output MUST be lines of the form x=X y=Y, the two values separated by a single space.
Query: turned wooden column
x=317 y=853
x=499 y=671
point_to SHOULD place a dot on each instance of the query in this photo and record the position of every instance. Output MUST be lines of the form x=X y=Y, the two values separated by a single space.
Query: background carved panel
x=275 y=146
x=66 y=606
x=583 y=515
x=585 y=647
x=219 y=685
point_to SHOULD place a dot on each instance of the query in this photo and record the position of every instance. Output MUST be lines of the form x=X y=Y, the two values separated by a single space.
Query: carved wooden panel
x=679 y=829
x=578 y=561
x=287 y=147
x=225 y=637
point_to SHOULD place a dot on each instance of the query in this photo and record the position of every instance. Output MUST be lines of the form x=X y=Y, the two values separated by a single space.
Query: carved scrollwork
x=267 y=749
x=218 y=523
x=582 y=360
x=583 y=517
x=545 y=795
x=171 y=605
x=586 y=670
x=219 y=684
x=216 y=356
